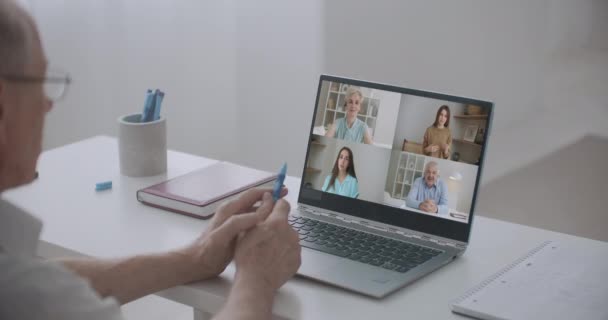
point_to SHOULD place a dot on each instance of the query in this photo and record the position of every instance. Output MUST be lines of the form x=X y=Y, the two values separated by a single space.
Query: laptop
x=389 y=183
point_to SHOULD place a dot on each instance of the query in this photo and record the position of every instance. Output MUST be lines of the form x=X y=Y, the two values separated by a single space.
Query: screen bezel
x=412 y=220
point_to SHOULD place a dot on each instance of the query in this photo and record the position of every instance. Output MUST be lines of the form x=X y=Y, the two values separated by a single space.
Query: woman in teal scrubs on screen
x=350 y=128
x=343 y=179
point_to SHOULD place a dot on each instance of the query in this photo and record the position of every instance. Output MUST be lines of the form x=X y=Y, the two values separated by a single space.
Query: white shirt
x=31 y=288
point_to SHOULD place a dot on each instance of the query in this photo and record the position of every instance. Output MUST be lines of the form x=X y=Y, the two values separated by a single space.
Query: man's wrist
x=186 y=262
x=250 y=298
x=257 y=283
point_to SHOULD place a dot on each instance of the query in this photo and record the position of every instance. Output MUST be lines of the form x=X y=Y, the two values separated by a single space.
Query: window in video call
x=400 y=150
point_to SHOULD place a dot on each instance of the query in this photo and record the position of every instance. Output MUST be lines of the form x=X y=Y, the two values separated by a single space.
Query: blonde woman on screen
x=350 y=128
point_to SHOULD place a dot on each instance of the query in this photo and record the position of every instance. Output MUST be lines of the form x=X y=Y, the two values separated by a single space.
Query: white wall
x=503 y=51
x=116 y=49
x=238 y=87
x=387 y=116
x=279 y=58
x=237 y=73
x=599 y=25
x=575 y=21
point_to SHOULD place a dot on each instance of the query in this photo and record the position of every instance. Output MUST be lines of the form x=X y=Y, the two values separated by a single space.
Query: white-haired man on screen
x=264 y=247
x=429 y=193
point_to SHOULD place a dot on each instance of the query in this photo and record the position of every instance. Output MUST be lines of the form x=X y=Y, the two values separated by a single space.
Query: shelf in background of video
x=316 y=143
x=472 y=117
x=467 y=142
x=312 y=170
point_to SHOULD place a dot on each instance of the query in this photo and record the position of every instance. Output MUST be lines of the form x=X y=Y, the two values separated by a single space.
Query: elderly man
x=429 y=193
x=264 y=247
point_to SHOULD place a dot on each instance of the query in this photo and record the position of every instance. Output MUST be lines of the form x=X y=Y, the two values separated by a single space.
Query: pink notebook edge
x=186 y=213
x=154 y=191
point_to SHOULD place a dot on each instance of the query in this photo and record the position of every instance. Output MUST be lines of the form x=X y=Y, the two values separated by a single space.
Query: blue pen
x=159 y=100
x=150 y=114
x=147 y=105
x=276 y=191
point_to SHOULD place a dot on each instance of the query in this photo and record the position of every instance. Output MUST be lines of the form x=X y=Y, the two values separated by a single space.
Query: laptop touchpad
x=324 y=266
x=315 y=262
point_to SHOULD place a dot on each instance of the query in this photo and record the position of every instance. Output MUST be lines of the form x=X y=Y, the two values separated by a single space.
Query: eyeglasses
x=55 y=83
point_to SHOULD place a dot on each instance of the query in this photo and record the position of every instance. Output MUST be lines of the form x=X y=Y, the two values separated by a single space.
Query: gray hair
x=431 y=164
x=14 y=38
x=352 y=90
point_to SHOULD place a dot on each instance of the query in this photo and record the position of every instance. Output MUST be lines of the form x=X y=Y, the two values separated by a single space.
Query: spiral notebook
x=553 y=281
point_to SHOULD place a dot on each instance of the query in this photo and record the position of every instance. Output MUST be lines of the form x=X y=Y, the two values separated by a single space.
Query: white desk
x=80 y=221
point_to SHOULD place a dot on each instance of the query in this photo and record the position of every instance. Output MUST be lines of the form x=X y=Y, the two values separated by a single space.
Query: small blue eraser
x=278 y=184
x=103 y=186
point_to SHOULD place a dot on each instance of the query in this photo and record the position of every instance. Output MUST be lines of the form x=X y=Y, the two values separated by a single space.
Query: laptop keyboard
x=360 y=246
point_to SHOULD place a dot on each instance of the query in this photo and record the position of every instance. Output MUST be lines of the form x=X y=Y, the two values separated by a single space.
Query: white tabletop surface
x=80 y=221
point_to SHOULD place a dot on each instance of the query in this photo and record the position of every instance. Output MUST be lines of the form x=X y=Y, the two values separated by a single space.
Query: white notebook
x=553 y=281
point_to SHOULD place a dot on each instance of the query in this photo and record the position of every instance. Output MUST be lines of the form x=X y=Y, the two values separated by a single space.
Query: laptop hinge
x=405 y=233
x=312 y=210
x=424 y=237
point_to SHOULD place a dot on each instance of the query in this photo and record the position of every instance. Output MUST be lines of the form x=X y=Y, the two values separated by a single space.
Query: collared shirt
x=31 y=288
x=348 y=188
x=437 y=192
x=355 y=133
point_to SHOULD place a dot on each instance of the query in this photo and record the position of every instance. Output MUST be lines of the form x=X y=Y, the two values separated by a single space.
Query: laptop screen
x=395 y=151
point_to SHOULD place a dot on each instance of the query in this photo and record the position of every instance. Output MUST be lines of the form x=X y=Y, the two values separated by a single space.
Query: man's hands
x=267 y=256
x=214 y=249
x=428 y=205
